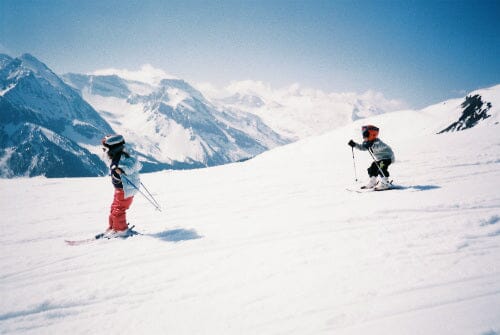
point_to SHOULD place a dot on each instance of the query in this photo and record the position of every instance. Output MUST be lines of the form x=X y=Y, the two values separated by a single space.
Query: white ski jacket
x=379 y=149
x=131 y=180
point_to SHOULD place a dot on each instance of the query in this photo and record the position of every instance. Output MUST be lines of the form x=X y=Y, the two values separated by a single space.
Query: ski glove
x=116 y=169
x=352 y=143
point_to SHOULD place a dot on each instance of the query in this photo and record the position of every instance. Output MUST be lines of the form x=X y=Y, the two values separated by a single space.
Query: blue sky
x=421 y=52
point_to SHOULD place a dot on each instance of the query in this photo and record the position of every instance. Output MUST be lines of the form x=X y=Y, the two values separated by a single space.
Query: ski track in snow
x=274 y=245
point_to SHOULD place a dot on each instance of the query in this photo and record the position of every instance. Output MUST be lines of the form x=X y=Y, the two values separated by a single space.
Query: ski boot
x=371 y=183
x=384 y=184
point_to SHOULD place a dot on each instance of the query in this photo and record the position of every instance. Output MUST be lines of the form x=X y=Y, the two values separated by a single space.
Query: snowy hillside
x=298 y=112
x=172 y=124
x=274 y=245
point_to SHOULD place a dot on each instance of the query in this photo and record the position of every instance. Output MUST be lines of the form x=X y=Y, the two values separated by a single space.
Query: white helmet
x=113 y=143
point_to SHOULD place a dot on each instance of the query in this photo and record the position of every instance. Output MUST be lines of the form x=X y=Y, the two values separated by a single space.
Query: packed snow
x=274 y=245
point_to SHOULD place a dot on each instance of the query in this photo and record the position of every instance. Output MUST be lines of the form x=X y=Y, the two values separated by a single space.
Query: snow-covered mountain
x=298 y=112
x=474 y=110
x=48 y=127
x=273 y=245
x=45 y=126
x=173 y=123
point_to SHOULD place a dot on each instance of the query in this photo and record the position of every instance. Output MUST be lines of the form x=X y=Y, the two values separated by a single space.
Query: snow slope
x=274 y=245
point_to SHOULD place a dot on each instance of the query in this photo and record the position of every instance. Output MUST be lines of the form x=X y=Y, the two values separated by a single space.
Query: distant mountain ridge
x=173 y=123
x=52 y=126
x=27 y=83
x=47 y=128
x=297 y=112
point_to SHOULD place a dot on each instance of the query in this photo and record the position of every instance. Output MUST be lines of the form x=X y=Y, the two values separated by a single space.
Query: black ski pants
x=373 y=170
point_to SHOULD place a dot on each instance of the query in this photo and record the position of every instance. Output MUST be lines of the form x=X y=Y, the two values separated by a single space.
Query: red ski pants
x=117 y=216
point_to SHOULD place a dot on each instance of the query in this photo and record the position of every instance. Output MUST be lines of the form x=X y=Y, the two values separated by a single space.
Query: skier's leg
x=373 y=170
x=372 y=173
x=384 y=166
x=119 y=207
x=384 y=180
x=111 y=218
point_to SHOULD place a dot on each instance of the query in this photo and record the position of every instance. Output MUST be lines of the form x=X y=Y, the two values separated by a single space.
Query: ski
x=102 y=236
x=85 y=241
x=366 y=190
x=384 y=189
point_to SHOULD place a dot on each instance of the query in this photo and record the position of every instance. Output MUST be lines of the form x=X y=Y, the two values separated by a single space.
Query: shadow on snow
x=421 y=187
x=177 y=235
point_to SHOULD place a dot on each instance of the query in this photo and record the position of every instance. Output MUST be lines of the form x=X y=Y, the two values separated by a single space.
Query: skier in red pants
x=117 y=215
x=122 y=164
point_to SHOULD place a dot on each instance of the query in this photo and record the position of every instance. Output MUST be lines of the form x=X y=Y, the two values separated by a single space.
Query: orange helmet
x=370 y=133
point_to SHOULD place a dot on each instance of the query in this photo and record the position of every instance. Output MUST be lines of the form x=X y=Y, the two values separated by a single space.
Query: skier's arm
x=116 y=169
x=362 y=146
x=357 y=145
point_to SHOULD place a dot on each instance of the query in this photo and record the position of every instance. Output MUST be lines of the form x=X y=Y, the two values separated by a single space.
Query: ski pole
x=149 y=193
x=375 y=161
x=138 y=189
x=354 y=162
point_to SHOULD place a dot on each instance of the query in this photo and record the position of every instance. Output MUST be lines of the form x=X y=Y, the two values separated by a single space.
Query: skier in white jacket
x=382 y=153
x=124 y=172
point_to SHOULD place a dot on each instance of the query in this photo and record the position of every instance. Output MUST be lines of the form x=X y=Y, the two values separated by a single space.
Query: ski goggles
x=365 y=130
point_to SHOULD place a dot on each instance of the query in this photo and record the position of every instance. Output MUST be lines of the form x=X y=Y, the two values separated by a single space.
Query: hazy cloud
x=147 y=74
